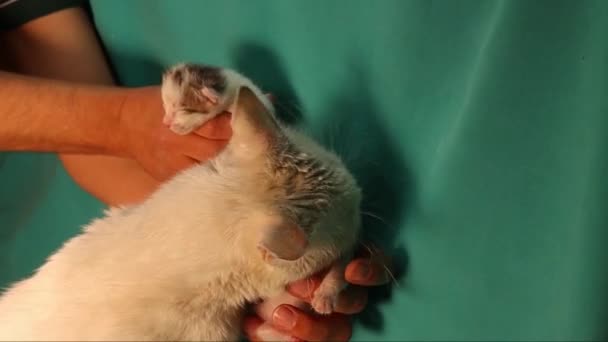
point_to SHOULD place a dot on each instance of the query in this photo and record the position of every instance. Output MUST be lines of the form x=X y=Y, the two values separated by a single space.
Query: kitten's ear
x=252 y=123
x=285 y=242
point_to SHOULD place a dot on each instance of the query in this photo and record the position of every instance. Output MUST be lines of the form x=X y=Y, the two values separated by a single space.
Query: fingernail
x=284 y=318
x=364 y=270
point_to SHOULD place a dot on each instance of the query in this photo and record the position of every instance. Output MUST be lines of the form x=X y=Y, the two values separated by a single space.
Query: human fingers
x=217 y=128
x=310 y=327
x=367 y=272
x=305 y=288
x=251 y=324
x=201 y=149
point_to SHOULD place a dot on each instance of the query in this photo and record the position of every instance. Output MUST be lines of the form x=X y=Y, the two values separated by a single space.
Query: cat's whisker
x=309 y=286
x=368 y=248
x=293 y=111
x=373 y=162
x=378 y=218
x=376 y=257
x=333 y=133
x=391 y=275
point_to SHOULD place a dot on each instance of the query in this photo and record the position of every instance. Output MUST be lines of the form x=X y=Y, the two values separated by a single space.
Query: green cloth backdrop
x=478 y=129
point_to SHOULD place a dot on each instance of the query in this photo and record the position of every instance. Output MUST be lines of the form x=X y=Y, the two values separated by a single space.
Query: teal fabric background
x=40 y=208
x=478 y=130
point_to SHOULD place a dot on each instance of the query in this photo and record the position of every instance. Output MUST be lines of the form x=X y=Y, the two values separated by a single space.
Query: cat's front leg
x=325 y=297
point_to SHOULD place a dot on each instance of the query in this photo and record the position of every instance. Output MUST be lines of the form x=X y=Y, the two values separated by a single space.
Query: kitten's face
x=301 y=200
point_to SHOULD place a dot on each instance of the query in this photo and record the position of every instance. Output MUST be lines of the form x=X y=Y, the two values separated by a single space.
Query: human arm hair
x=63 y=45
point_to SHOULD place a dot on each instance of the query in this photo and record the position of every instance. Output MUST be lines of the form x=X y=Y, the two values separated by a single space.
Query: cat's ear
x=252 y=124
x=283 y=242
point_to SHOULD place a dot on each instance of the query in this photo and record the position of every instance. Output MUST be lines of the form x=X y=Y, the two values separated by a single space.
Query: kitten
x=192 y=94
x=273 y=207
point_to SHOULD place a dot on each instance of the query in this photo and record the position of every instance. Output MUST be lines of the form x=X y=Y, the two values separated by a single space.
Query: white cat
x=272 y=208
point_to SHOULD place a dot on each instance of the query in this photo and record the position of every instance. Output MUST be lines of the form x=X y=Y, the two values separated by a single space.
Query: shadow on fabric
x=136 y=71
x=26 y=181
x=266 y=70
x=352 y=128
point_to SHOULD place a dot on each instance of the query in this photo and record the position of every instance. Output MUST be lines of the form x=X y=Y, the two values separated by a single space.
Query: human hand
x=291 y=318
x=161 y=152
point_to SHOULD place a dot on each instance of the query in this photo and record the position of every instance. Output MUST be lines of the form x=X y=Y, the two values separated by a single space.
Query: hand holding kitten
x=302 y=325
x=161 y=152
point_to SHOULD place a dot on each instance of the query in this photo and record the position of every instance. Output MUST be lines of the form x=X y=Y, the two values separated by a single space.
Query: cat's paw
x=324 y=303
x=325 y=298
x=192 y=95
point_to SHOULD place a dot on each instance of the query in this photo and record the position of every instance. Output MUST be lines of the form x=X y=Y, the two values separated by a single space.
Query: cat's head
x=297 y=199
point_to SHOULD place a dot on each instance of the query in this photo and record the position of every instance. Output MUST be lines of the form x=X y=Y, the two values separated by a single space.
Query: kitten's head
x=297 y=200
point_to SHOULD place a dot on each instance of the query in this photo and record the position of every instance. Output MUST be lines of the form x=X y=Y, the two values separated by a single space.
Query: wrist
x=133 y=107
x=118 y=138
x=108 y=133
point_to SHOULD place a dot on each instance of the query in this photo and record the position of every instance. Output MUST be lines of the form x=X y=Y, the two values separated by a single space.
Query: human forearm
x=63 y=45
x=53 y=116
x=69 y=50
x=113 y=180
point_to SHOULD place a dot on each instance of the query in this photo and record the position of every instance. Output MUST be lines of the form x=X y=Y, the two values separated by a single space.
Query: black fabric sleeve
x=14 y=13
